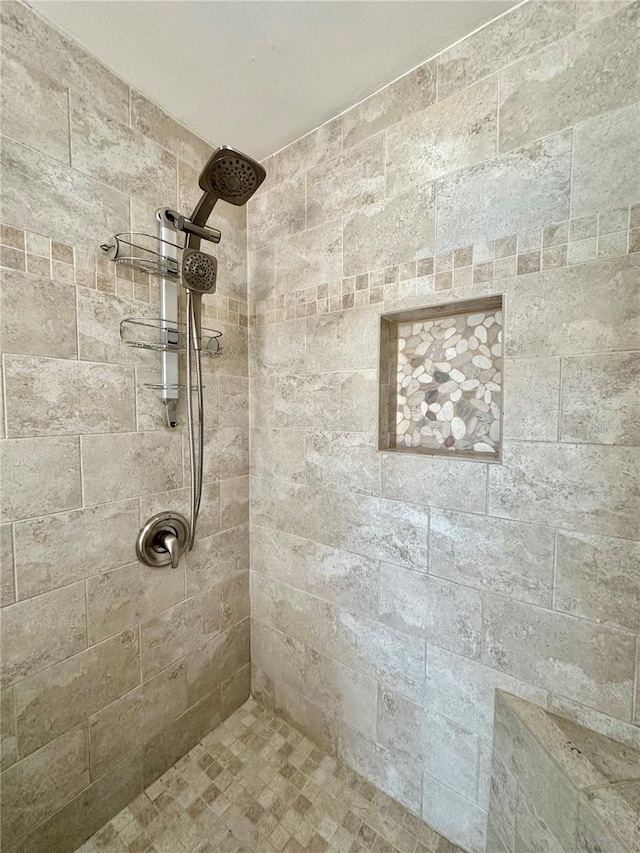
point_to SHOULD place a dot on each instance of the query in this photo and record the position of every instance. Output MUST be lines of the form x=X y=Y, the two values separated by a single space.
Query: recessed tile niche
x=441 y=380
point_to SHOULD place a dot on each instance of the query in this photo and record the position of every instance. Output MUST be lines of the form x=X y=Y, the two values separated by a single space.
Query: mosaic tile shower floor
x=256 y=785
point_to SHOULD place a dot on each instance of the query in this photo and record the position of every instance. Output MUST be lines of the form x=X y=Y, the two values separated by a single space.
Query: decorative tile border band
x=608 y=234
x=47 y=258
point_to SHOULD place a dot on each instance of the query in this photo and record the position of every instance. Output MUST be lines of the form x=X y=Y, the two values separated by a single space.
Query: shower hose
x=196 y=447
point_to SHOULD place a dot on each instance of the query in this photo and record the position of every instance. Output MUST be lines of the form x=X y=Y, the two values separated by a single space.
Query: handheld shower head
x=199 y=274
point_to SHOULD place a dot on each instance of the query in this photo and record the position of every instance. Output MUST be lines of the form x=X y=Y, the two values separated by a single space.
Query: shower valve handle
x=168 y=541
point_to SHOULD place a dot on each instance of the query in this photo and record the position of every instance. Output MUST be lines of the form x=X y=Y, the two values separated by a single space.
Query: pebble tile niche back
x=440 y=380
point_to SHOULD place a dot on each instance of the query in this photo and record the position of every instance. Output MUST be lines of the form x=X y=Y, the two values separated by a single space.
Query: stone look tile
x=524 y=30
x=358 y=397
x=226 y=453
x=445 y=483
x=42 y=397
x=590 y=663
x=133 y=593
x=346 y=183
x=312 y=721
x=35 y=108
x=346 y=340
x=38 y=316
x=600 y=180
x=346 y=579
x=278 y=349
x=575 y=311
x=529 y=188
x=170 y=635
x=279 y=212
x=215 y=558
x=38 y=785
x=443 y=138
x=42 y=631
x=25 y=494
x=234 y=502
x=321 y=144
x=234 y=600
x=134 y=468
x=178 y=500
x=94 y=677
x=58 y=549
x=532 y=399
x=150 y=120
x=122 y=726
x=99 y=318
x=410 y=93
x=261 y=273
x=584 y=487
x=8 y=736
x=125 y=159
x=44 y=195
x=508 y=557
x=447 y=751
x=7 y=578
x=608 y=379
x=216 y=661
x=576 y=83
x=464 y=690
x=310 y=258
x=343 y=460
x=441 y=612
x=455 y=817
x=393 y=231
x=597 y=579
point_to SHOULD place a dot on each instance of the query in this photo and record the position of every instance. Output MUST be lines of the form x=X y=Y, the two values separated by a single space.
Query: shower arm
x=201 y=212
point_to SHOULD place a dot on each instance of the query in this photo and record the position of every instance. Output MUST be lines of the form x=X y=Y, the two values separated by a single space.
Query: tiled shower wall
x=110 y=670
x=392 y=593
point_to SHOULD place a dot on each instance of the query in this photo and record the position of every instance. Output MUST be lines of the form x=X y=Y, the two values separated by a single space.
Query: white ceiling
x=257 y=74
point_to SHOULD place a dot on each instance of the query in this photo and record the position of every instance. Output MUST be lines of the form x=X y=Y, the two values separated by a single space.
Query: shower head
x=199 y=271
x=231 y=176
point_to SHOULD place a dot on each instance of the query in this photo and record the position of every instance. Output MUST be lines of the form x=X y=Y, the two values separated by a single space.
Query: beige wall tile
x=603 y=148
x=464 y=690
x=214 y=559
x=134 y=467
x=216 y=661
x=8 y=736
x=94 y=678
x=176 y=739
x=175 y=632
x=445 y=483
x=178 y=500
x=312 y=513
x=598 y=578
x=588 y=662
x=314 y=722
x=134 y=718
x=40 y=44
x=399 y=229
x=346 y=579
x=350 y=181
x=226 y=453
x=234 y=600
x=280 y=452
x=585 y=487
x=233 y=401
x=524 y=30
x=90 y=810
x=45 y=196
x=310 y=150
x=488 y=553
x=529 y=188
x=278 y=348
x=310 y=258
x=7 y=576
x=609 y=380
x=150 y=120
x=532 y=399
x=346 y=340
x=604 y=724
x=456 y=134
x=34 y=788
x=234 y=502
x=454 y=816
x=358 y=401
x=261 y=273
x=410 y=93
x=42 y=631
x=35 y=108
x=99 y=318
x=42 y=397
x=441 y=612
x=305 y=401
x=123 y=597
x=574 y=310
x=25 y=493
x=66 y=547
x=276 y=213
x=37 y=316
x=394 y=774
x=577 y=82
x=339 y=460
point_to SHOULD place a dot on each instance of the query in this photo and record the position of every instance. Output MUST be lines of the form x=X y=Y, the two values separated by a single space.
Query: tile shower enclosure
x=391 y=592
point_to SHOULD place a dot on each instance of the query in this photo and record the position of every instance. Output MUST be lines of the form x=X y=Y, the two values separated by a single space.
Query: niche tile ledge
x=440 y=380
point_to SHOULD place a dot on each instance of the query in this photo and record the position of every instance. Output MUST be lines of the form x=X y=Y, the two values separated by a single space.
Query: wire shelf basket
x=141 y=251
x=160 y=335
